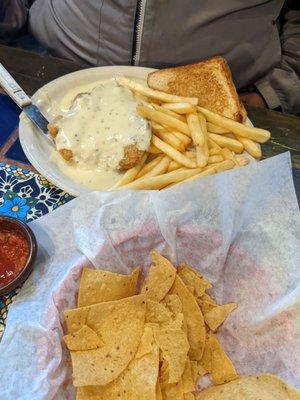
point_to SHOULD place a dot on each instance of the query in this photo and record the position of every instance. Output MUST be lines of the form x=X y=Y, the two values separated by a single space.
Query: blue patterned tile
x=26 y=196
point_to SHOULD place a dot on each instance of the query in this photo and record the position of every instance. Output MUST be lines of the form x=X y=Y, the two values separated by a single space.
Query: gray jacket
x=158 y=33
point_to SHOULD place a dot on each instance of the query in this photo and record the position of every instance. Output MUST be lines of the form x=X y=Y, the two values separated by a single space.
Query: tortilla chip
x=120 y=324
x=222 y=369
x=194 y=371
x=160 y=278
x=197 y=371
x=189 y=396
x=173 y=302
x=191 y=289
x=206 y=303
x=138 y=381
x=84 y=339
x=215 y=317
x=163 y=371
x=191 y=278
x=201 y=370
x=97 y=286
x=173 y=391
x=174 y=347
x=206 y=359
x=265 y=387
x=146 y=343
x=157 y=312
x=209 y=299
x=176 y=323
x=187 y=378
x=158 y=391
x=193 y=317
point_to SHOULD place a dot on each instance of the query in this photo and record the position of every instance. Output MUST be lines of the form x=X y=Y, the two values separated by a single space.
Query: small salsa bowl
x=21 y=246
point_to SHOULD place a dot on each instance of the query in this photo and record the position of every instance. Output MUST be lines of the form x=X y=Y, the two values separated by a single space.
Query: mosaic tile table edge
x=26 y=196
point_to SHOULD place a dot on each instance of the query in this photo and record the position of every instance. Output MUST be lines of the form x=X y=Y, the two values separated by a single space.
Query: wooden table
x=34 y=70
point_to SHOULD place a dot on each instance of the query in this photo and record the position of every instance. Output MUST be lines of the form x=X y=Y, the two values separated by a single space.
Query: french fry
x=153 y=149
x=203 y=125
x=160 y=168
x=163 y=128
x=212 y=144
x=170 y=138
x=214 y=152
x=148 y=167
x=174 y=165
x=173 y=141
x=222 y=166
x=131 y=173
x=206 y=172
x=186 y=140
x=163 y=119
x=223 y=141
x=173 y=153
x=195 y=129
x=228 y=155
x=219 y=133
x=160 y=181
x=242 y=160
x=169 y=112
x=155 y=94
x=230 y=135
x=256 y=134
x=180 y=108
x=198 y=139
x=170 y=185
x=251 y=147
x=190 y=154
x=142 y=99
x=216 y=129
x=215 y=159
x=201 y=157
x=211 y=170
x=158 y=128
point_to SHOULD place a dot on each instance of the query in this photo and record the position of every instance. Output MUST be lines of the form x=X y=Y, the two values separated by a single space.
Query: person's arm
x=13 y=17
x=281 y=86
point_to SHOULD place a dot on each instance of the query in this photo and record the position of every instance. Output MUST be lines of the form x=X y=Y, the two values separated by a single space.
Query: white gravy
x=96 y=128
x=93 y=178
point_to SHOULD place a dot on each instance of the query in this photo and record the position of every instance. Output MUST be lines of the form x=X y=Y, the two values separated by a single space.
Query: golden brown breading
x=66 y=154
x=132 y=155
x=53 y=130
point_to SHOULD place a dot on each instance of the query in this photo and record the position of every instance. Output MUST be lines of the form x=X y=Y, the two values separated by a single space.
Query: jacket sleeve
x=281 y=85
x=13 y=17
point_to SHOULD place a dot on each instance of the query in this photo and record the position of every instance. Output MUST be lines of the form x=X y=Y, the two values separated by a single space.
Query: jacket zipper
x=138 y=31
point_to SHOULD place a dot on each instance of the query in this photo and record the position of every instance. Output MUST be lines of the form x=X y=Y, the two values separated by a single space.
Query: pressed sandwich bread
x=210 y=81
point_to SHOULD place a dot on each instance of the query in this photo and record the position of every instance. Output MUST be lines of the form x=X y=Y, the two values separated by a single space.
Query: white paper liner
x=239 y=228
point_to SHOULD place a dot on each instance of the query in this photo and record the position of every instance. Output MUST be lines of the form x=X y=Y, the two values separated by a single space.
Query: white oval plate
x=36 y=146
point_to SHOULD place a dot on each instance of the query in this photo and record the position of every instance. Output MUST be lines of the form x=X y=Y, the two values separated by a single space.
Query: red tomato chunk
x=14 y=253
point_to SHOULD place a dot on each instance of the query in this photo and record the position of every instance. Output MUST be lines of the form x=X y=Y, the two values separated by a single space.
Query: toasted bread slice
x=209 y=80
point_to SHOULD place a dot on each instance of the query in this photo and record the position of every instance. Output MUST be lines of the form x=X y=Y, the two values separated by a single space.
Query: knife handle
x=13 y=89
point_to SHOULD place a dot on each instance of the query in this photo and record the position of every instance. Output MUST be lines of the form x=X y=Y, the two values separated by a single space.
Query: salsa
x=14 y=253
